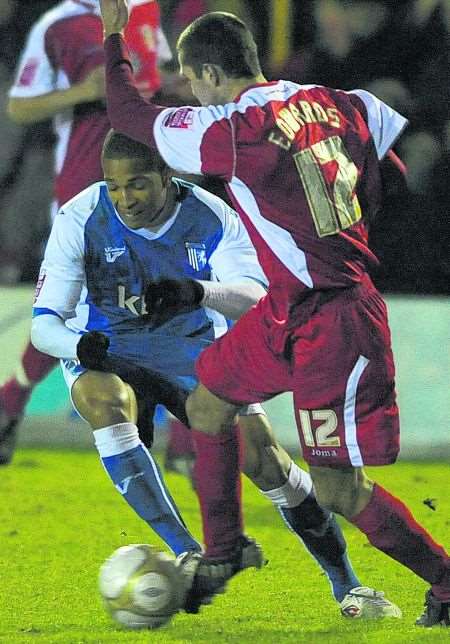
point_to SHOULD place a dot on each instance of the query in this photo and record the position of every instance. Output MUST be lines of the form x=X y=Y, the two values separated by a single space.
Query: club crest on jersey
x=196 y=255
x=181 y=118
x=112 y=253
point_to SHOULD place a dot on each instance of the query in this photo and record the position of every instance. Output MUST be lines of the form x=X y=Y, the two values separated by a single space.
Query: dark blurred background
x=399 y=51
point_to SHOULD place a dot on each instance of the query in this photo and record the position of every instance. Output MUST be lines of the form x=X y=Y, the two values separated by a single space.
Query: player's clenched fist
x=92 y=350
x=165 y=298
x=114 y=16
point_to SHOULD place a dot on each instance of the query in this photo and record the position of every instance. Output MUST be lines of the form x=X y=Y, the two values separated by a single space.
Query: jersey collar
x=148 y=234
x=266 y=84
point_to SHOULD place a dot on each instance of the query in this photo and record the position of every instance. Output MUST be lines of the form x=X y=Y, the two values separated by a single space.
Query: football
x=141 y=587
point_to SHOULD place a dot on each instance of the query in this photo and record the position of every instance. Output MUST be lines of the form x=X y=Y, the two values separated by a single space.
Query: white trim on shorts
x=351 y=436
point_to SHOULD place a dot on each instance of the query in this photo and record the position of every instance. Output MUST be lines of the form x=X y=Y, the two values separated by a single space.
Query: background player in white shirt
x=60 y=76
x=114 y=250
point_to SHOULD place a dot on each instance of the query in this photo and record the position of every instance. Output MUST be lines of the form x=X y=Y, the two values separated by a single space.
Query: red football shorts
x=335 y=355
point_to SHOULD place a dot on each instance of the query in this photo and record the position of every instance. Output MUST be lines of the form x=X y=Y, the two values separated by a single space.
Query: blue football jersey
x=95 y=271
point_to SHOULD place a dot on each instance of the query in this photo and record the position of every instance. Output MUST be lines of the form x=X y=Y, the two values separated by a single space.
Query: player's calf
x=345 y=491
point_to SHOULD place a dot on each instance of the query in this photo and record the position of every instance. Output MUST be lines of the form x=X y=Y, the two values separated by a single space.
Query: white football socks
x=294 y=491
x=116 y=439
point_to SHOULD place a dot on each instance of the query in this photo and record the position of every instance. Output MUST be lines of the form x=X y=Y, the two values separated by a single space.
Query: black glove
x=92 y=350
x=165 y=298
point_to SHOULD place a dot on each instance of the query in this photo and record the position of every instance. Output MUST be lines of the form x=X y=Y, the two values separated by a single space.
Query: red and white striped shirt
x=301 y=164
x=62 y=48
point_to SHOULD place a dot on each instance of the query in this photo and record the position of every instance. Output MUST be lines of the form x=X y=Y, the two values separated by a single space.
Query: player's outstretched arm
x=128 y=111
x=114 y=16
x=166 y=298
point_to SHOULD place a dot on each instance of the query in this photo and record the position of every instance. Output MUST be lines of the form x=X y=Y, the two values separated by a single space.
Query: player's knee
x=209 y=414
x=102 y=399
x=344 y=491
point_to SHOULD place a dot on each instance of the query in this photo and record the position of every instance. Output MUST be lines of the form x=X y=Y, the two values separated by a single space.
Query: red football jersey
x=300 y=163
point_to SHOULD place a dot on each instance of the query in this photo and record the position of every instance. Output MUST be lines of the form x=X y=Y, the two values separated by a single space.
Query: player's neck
x=239 y=85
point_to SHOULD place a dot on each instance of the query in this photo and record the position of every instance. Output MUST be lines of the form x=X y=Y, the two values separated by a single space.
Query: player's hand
x=92 y=349
x=166 y=298
x=114 y=16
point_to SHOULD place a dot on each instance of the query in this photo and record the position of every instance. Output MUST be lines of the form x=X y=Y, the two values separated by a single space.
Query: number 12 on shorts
x=321 y=435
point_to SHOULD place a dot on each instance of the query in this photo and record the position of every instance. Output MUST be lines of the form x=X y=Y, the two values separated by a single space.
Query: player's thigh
x=240 y=366
x=103 y=399
x=208 y=413
x=343 y=383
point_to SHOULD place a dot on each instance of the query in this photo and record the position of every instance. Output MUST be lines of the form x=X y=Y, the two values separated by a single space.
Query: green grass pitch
x=60 y=518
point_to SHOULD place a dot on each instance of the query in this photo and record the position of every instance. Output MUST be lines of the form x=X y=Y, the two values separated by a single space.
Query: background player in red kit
x=61 y=76
x=302 y=166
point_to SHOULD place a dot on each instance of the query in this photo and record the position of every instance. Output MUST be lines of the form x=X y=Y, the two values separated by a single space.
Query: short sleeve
x=196 y=140
x=35 y=74
x=234 y=258
x=385 y=124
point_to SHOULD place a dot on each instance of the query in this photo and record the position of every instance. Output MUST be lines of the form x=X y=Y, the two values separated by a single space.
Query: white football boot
x=367 y=603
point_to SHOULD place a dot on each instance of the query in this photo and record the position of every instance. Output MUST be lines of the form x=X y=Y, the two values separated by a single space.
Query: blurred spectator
x=177 y=14
x=24 y=164
x=426 y=62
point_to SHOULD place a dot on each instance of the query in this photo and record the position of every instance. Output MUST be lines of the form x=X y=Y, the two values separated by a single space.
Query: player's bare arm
x=114 y=16
x=39 y=108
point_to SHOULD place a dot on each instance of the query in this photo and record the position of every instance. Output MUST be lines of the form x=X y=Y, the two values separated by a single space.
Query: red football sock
x=14 y=395
x=390 y=527
x=180 y=439
x=218 y=486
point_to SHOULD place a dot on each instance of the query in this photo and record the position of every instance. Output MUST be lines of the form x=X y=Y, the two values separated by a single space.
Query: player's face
x=139 y=196
x=204 y=90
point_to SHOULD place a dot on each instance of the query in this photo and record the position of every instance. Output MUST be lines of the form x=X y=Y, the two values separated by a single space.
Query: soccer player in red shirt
x=61 y=76
x=303 y=167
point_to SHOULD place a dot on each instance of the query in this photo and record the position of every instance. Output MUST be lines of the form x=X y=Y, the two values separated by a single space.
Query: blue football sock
x=317 y=528
x=137 y=477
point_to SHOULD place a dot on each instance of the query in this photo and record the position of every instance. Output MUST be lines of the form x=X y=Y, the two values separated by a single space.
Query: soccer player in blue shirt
x=113 y=251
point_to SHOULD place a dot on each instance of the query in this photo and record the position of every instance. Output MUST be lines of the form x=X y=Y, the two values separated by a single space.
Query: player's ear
x=213 y=74
x=166 y=176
